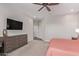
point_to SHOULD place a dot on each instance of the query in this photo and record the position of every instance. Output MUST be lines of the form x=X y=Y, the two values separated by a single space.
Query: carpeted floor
x=33 y=48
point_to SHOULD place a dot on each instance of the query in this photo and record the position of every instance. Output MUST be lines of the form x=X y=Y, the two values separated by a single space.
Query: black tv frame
x=14 y=25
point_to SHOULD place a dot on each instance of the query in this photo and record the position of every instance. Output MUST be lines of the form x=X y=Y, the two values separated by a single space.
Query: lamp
x=4 y=32
x=77 y=31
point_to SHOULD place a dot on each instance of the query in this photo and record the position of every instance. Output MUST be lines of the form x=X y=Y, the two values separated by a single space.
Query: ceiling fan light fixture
x=46 y=5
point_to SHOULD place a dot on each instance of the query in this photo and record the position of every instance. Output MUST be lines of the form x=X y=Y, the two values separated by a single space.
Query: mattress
x=63 y=47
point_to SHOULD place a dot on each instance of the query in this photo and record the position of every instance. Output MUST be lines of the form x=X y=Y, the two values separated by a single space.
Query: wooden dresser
x=10 y=43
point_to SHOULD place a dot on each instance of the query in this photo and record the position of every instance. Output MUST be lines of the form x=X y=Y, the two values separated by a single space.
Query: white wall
x=58 y=26
x=16 y=13
x=3 y=16
x=62 y=26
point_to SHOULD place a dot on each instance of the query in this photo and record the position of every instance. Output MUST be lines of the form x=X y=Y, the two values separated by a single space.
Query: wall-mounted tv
x=14 y=25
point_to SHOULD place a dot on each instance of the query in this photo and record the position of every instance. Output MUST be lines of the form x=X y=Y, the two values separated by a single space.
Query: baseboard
x=37 y=38
x=29 y=40
x=47 y=40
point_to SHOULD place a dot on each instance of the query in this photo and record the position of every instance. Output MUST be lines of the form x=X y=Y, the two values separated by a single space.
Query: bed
x=63 y=47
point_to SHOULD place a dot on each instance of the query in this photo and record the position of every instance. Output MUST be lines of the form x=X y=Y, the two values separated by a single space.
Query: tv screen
x=14 y=25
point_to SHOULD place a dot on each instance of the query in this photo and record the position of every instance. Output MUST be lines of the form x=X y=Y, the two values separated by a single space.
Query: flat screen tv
x=14 y=25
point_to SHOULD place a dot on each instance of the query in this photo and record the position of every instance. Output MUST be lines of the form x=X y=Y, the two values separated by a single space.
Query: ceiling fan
x=46 y=5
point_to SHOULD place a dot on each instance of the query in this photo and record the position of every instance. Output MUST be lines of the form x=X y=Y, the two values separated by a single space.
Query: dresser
x=11 y=43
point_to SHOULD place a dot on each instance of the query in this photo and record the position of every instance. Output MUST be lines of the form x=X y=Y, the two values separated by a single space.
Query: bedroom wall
x=61 y=26
x=3 y=15
x=17 y=13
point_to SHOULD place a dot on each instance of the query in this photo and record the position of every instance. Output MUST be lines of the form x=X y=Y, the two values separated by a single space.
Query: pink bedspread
x=63 y=47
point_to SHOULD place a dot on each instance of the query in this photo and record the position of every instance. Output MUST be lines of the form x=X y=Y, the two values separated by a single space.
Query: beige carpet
x=33 y=48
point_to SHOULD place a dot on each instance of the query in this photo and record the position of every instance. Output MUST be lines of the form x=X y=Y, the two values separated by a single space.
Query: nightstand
x=75 y=38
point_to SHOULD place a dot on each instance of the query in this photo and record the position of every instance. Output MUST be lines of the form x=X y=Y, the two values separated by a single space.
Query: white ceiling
x=62 y=8
x=32 y=9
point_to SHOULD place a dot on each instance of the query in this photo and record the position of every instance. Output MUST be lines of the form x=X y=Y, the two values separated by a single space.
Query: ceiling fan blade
x=48 y=8
x=52 y=4
x=38 y=3
x=41 y=8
